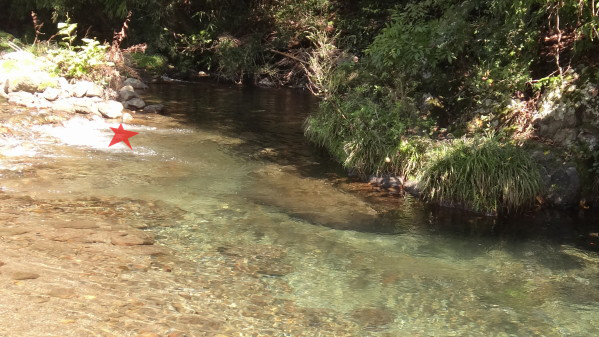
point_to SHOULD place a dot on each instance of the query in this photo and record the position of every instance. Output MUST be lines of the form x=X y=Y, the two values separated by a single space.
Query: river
x=266 y=237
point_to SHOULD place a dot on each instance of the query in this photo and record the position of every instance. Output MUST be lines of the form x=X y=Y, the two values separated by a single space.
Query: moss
x=152 y=63
x=5 y=38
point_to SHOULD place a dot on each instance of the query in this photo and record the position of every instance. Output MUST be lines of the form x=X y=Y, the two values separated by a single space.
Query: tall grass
x=482 y=175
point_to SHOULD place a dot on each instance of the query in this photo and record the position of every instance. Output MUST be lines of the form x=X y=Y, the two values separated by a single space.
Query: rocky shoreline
x=32 y=87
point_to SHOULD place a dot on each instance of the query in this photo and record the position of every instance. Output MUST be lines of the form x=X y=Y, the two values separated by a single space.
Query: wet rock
x=564 y=187
x=135 y=83
x=565 y=136
x=32 y=81
x=136 y=103
x=79 y=89
x=132 y=239
x=94 y=90
x=24 y=275
x=51 y=94
x=265 y=82
x=3 y=86
x=386 y=181
x=154 y=108
x=147 y=334
x=127 y=118
x=64 y=293
x=19 y=56
x=22 y=98
x=309 y=199
x=63 y=105
x=84 y=105
x=176 y=334
x=126 y=93
x=110 y=109
x=373 y=317
x=589 y=140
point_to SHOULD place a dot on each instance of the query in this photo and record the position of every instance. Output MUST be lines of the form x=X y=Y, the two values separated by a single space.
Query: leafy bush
x=84 y=61
x=153 y=63
x=481 y=174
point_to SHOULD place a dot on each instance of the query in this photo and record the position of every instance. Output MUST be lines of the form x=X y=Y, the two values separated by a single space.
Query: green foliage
x=153 y=63
x=364 y=126
x=6 y=40
x=236 y=58
x=483 y=174
x=78 y=61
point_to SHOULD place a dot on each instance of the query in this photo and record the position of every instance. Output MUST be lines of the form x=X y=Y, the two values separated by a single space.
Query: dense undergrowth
x=408 y=87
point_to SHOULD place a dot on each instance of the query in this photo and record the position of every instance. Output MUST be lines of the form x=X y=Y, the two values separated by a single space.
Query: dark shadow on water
x=270 y=124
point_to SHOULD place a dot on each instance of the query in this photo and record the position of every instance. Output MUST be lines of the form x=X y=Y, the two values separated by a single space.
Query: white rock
x=94 y=90
x=51 y=94
x=18 y=56
x=63 y=105
x=135 y=83
x=127 y=117
x=110 y=109
x=22 y=98
x=79 y=89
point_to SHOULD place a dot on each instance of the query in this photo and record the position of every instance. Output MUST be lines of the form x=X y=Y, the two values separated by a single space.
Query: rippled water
x=254 y=191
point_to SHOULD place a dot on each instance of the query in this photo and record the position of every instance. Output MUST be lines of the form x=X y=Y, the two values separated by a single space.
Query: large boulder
x=30 y=81
x=22 y=98
x=136 y=103
x=110 y=109
x=154 y=108
x=63 y=105
x=135 y=83
x=51 y=94
x=126 y=93
x=561 y=181
x=84 y=105
x=94 y=90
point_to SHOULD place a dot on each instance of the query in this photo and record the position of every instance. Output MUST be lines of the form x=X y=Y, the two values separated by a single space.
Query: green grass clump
x=153 y=63
x=5 y=38
x=482 y=175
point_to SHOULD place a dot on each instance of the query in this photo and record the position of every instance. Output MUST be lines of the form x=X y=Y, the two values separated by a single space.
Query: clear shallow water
x=254 y=192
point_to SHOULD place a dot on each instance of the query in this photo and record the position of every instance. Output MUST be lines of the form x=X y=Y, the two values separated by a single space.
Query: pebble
x=63 y=293
x=24 y=275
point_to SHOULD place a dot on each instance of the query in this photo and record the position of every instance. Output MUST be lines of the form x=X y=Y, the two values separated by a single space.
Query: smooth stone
x=131 y=239
x=79 y=89
x=22 y=98
x=110 y=109
x=24 y=275
x=84 y=105
x=153 y=108
x=135 y=83
x=63 y=293
x=63 y=105
x=127 y=117
x=373 y=317
x=136 y=103
x=126 y=93
x=51 y=94
x=94 y=90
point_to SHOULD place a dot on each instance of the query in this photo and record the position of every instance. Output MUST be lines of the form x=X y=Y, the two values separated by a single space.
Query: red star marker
x=122 y=135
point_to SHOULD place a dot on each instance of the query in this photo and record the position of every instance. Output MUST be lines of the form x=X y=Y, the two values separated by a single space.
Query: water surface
x=260 y=202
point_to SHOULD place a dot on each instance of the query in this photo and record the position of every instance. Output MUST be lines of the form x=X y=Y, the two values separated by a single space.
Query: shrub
x=481 y=174
x=153 y=63
x=86 y=61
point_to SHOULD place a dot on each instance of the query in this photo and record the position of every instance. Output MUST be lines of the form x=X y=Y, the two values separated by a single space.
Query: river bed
x=224 y=221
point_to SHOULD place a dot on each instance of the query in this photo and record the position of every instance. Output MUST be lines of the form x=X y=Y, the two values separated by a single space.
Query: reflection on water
x=253 y=192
